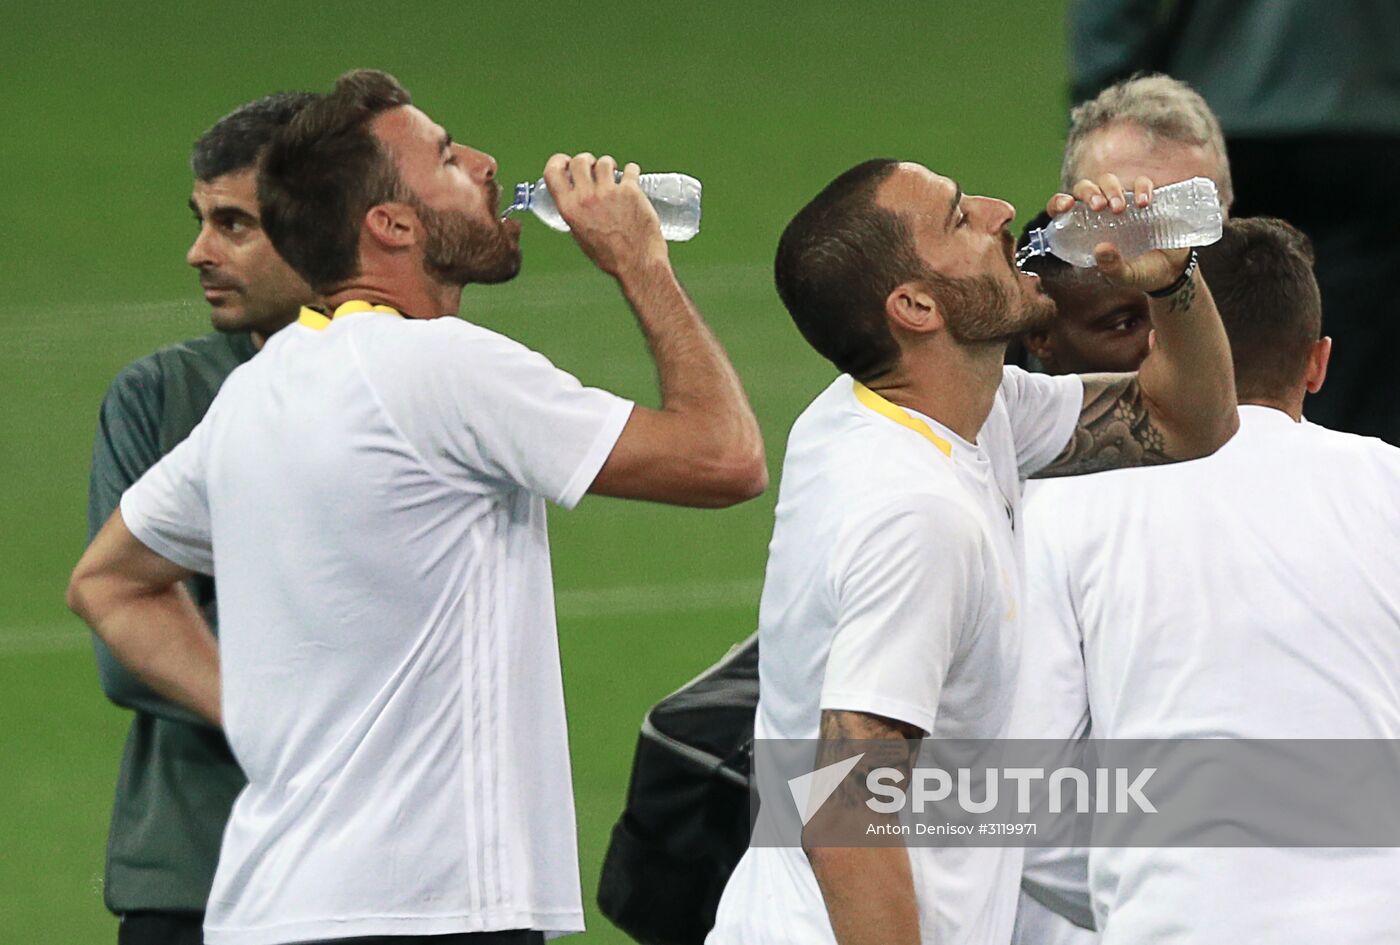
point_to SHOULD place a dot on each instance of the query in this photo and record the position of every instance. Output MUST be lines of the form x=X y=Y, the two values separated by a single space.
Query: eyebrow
x=446 y=141
x=953 y=207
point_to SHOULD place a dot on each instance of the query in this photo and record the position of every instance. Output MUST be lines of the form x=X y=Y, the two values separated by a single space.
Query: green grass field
x=764 y=102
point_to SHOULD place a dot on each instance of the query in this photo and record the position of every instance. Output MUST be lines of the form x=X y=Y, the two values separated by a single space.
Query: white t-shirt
x=371 y=497
x=1052 y=703
x=1251 y=594
x=893 y=588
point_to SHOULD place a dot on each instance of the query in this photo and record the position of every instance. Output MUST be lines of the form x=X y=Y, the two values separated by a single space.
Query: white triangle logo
x=810 y=791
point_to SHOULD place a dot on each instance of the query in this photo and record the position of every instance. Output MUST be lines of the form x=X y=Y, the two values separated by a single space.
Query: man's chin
x=229 y=320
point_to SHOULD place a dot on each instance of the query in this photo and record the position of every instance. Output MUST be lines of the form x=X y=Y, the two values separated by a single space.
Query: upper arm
x=117 y=564
x=127 y=441
x=880 y=742
x=1116 y=429
x=905 y=588
x=127 y=444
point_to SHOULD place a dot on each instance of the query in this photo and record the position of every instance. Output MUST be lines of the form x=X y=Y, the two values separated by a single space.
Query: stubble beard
x=982 y=310
x=459 y=250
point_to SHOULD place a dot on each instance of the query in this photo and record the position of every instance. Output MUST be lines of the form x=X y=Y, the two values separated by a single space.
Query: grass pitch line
x=623 y=601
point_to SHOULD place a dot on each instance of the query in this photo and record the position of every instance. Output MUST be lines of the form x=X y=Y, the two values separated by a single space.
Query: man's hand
x=1152 y=270
x=703 y=447
x=612 y=221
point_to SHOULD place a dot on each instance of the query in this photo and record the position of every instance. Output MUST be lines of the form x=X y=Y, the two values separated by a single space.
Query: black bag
x=687 y=818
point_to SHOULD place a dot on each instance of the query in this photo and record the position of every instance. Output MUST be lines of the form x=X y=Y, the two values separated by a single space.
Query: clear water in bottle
x=1180 y=215
x=676 y=198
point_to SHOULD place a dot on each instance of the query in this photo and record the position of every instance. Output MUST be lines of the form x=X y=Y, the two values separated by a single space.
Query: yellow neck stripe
x=873 y=401
x=314 y=319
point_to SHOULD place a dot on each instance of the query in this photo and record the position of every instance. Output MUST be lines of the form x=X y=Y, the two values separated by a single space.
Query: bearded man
x=374 y=483
x=891 y=607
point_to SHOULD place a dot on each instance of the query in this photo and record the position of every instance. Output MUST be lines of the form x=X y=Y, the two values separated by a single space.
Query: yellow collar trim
x=318 y=321
x=873 y=401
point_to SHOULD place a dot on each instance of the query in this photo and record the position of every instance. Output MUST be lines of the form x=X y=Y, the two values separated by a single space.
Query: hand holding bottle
x=610 y=218
x=1139 y=239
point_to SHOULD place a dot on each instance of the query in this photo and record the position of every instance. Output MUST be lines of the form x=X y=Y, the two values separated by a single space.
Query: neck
x=1291 y=406
x=415 y=298
x=951 y=383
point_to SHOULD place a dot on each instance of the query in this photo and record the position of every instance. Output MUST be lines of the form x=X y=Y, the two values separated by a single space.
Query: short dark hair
x=837 y=262
x=234 y=142
x=1261 y=276
x=323 y=171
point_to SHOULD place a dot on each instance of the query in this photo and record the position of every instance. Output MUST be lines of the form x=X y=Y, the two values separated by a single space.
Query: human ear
x=1317 y=364
x=911 y=307
x=394 y=225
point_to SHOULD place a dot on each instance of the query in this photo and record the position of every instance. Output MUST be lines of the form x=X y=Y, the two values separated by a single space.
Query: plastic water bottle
x=676 y=198
x=1180 y=215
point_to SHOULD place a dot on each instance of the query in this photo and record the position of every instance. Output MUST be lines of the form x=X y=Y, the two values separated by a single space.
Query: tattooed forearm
x=1115 y=429
x=1184 y=298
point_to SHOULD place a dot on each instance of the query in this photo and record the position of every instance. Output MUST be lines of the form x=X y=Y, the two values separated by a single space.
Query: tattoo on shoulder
x=1115 y=429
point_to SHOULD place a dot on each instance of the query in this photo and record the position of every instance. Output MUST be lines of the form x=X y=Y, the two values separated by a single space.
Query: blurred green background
x=764 y=102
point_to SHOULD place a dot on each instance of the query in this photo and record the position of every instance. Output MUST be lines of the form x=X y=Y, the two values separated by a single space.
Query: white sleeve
x=477 y=406
x=167 y=509
x=905 y=586
x=1044 y=412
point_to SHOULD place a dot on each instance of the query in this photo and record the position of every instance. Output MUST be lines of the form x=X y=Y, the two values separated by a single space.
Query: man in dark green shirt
x=178 y=778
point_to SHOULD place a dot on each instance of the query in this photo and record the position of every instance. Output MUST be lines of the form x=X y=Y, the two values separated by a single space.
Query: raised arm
x=869 y=891
x=703 y=447
x=1181 y=402
x=134 y=601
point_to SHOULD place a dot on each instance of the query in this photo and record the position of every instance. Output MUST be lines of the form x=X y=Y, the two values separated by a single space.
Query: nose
x=1001 y=213
x=201 y=251
x=479 y=164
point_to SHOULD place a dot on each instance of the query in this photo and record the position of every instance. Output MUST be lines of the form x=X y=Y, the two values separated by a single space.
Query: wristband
x=1168 y=291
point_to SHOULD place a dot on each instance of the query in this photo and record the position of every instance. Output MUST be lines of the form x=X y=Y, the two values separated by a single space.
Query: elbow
x=738 y=476
x=76 y=596
x=84 y=593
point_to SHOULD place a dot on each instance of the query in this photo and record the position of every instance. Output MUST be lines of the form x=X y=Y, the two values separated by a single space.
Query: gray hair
x=1164 y=108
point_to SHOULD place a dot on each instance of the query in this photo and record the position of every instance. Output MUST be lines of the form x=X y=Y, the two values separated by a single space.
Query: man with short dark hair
x=891 y=603
x=178 y=779
x=375 y=485
x=1286 y=629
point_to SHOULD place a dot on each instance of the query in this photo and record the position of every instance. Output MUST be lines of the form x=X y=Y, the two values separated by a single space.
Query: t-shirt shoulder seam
x=394 y=425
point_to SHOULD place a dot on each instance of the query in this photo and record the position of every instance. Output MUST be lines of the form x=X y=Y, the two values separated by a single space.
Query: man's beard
x=983 y=310
x=459 y=250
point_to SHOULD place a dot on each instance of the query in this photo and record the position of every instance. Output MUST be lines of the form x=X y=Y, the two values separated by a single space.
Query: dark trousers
x=161 y=928
x=1332 y=188
x=187 y=928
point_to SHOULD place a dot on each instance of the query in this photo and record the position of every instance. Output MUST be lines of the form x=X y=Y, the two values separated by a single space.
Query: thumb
x=1111 y=264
